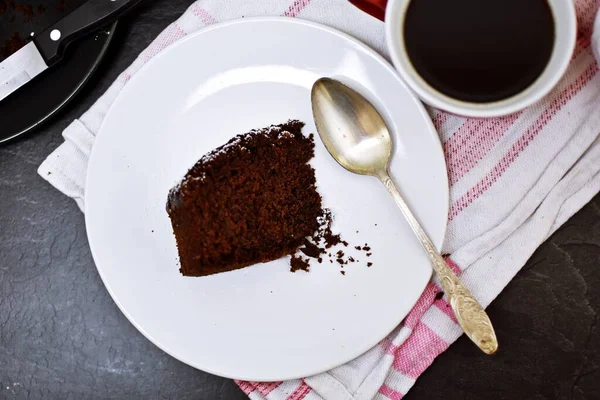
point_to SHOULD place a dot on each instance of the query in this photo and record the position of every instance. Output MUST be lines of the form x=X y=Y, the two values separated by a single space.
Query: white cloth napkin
x=514 y=181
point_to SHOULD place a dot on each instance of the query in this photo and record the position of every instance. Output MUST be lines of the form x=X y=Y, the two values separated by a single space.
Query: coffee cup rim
x=566 y=26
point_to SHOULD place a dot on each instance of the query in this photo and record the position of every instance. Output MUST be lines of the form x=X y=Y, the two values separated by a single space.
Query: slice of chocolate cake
x=249 y=201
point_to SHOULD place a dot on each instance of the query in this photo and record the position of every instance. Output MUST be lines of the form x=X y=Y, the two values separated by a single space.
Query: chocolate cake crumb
x=298 y=263
x=323 y=239
x=331 y=240
x=369 y=264
x=311 y=249
x=343 y=272
x=320 y=260
x=369 y=254
x=366 y=248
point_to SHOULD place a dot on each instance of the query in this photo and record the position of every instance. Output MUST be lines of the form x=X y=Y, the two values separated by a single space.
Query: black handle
x=90 y=16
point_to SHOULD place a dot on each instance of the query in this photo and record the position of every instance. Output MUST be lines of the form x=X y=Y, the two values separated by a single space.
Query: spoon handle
x=469 y=313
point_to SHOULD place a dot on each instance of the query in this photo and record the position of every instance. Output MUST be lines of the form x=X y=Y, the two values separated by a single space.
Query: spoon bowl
x=351 y=128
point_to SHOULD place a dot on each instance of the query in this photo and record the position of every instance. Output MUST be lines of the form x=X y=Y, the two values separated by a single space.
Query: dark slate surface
x=62 y=337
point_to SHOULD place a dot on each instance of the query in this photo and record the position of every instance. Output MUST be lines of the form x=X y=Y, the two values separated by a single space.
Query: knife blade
x=20 y=68
x=47 y=48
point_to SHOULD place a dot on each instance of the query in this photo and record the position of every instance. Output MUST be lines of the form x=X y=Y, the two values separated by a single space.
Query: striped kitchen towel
x=514 y=181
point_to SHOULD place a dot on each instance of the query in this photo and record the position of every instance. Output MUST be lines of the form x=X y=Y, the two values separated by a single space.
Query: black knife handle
x=90 y=16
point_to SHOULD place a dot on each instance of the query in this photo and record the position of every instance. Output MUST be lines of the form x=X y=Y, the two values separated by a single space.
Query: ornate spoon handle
x=469 y=313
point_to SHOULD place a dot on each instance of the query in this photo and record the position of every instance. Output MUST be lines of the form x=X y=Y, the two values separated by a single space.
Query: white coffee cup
x=565 y=38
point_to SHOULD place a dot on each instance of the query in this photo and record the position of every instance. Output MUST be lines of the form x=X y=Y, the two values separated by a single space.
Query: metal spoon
x=357 y=137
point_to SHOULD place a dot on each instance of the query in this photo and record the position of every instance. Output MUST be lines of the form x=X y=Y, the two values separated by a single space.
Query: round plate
x=26 y=109
x=261 y=323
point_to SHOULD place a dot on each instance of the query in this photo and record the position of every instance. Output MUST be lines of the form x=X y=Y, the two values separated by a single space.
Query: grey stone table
x=62 y=337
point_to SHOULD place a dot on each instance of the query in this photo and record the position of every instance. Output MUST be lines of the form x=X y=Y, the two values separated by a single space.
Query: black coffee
x=479 y=50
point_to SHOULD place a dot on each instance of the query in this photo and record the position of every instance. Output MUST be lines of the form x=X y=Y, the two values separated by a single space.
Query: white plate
x=260 y=323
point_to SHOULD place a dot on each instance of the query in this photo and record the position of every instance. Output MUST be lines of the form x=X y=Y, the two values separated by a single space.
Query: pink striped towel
x=514 y=181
